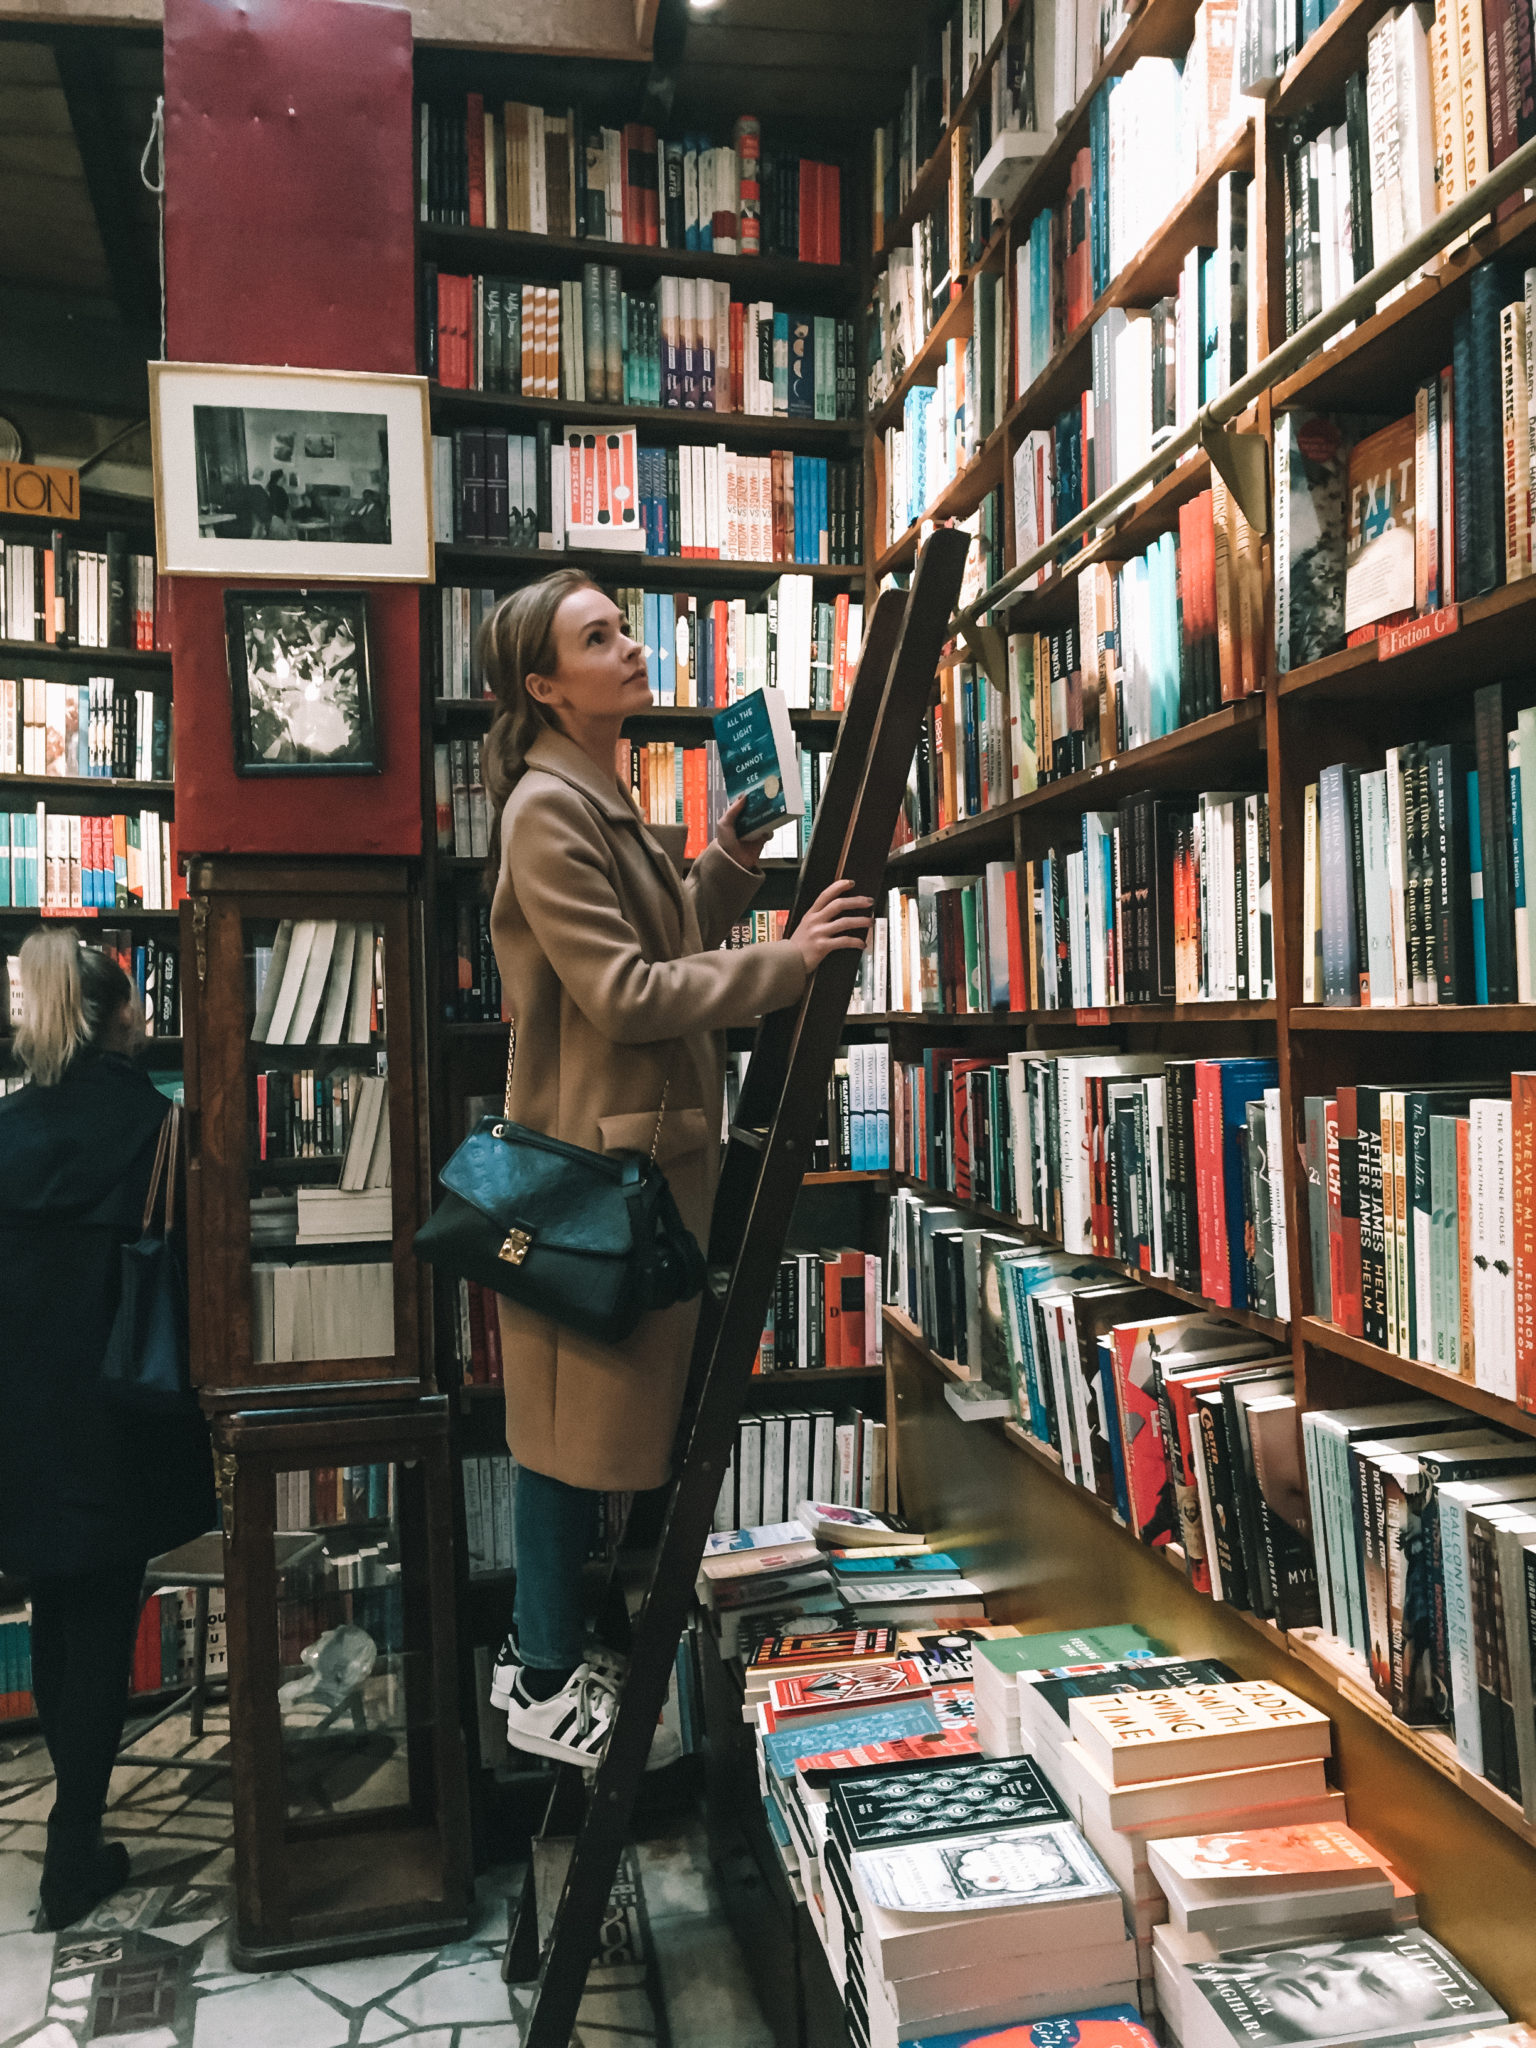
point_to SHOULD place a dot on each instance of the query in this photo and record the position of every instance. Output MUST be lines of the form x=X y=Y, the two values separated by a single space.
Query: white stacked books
x=321 y=1311
x=1256 y=1884
x=335 y=1216
x=318 y=984
x=1140 y=1737
x=1002 y=1926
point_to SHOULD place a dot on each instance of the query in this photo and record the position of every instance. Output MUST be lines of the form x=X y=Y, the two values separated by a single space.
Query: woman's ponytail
x=517 y=640
x=68 y=994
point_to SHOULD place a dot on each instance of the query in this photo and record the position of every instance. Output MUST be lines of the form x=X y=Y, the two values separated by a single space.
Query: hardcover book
x=1379 y=550
x=824 y=1694
x=760 y=759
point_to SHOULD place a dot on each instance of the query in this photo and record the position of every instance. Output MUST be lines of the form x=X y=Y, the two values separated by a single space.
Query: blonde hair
x=518 y=641
x=69 y=993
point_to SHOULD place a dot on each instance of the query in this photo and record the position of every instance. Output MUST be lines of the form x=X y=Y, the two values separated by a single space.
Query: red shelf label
x=1093 y=1016
x=1417 y=632
x=58 y=910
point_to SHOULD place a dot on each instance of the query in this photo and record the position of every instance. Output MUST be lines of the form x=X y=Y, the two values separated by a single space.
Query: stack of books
x=999 y=1665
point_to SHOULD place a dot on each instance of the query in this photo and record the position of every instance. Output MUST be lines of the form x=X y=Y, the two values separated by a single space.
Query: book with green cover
x=760 y=759
x=1117 y=1641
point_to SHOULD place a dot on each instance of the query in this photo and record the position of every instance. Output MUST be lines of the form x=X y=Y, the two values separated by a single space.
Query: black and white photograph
x=299 y=678
x=303 y=473
x=264 y=475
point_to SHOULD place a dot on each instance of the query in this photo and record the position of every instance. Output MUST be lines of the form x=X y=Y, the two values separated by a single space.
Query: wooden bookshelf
x=14 y=651
x=610 y=565
x=86 y=785
x=556 y=256
x=1412 y=1372
x=1492 y=636
x=933 y=175
x=958 y=499
x=953 y=324
x=671 y=423
x=663 y=717
x=1419 y=1017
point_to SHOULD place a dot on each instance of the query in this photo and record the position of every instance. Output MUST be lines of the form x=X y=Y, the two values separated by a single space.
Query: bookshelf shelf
x=819 y=1376
x=953 y=324
x=1405 y=339
x=1267 y=1326
x=1493 y=637
x=1321 y=66
x=106 y=784
x=1225 y=742
x=1085 y=1020
x=958 y=499
x=609 y=563
x=1429 y=1379
x=1339 y=1668
x=125 y=914
x=660 y=715
x=1419 y=1017
x=674 y=423
x=845 y=1176
x=105 y=657
x=933 y=175
x=553 y=256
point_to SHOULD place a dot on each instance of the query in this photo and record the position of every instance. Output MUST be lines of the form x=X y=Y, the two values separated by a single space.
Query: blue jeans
x=553 y=1530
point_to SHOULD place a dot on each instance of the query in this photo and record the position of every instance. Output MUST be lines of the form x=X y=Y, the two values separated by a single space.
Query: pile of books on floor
x=830 y=1567
x=994 y=1830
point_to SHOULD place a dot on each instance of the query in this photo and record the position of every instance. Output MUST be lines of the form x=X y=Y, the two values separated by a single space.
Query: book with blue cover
x=850 y=1731
x=760 y=759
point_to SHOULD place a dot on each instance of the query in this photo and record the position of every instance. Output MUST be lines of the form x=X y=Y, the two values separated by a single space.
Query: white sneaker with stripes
x=573 y=1726
x=611 y=1663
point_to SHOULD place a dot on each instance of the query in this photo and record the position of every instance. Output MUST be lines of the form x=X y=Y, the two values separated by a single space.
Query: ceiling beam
x=110 y=161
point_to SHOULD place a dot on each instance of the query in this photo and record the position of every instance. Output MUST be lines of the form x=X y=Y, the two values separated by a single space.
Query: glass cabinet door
x=318 y=1140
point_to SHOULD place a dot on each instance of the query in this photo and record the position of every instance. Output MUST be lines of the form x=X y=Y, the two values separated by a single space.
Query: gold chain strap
x=506 y=1107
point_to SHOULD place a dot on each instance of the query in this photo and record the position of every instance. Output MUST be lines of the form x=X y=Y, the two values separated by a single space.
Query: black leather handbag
x=592 y=1240
x=146 y=1366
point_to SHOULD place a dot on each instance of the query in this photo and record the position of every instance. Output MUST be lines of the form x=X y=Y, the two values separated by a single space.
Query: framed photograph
x=300 y=682
x=291 y=473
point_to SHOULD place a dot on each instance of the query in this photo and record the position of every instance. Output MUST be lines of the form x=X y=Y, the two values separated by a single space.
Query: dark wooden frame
x=237 y=601
x=224 y=892
x=273 y=1929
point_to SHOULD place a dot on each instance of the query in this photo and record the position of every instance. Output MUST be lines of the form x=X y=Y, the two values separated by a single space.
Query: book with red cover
x=1210 y=1202
x=633 y=202
x=960 y=1105
x=787 y=1653
x=850 y=1285
x=474 y=135
x=650 y=190
x=898 y=1755
x=823 y=1695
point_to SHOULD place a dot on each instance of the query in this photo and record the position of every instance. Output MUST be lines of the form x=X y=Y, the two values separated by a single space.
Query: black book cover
x=1447 y=769
x=1373 y=1271
x=935 y=1802
x=496 y=498
x=1245 y=1489
x=1357 y=133
x=1492 y=746
x=1211 y=1416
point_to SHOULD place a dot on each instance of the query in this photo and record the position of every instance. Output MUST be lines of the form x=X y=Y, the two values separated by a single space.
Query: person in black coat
x=88 y=1492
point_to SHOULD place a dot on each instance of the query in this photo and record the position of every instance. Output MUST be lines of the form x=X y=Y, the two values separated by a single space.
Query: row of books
x=320 y=980
x=859 y=1114
x=102 y=727
x=53 y=860
x=62 y=595
x=1174 y=1166
x=952 y=50
x=330 y=1496
x=943 y=425
x=303 y=1312
x=153 y=965
x=476 y=1335
x=1379 y=522
x=1425 y=1539
x=360 y=1591
x=1414 y=131
x=685 y=344
x=824 y=1312
x=16 y=1701
x=470 y=979
x=318 y=1113
x=1419 y=1224
x=490 y=1487
x=843 y=1450
x=1414 y=874
x=527 y=491
x=558 y=173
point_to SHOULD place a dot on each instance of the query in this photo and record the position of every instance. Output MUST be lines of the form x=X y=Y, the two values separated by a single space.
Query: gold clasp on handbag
x=515 y=1250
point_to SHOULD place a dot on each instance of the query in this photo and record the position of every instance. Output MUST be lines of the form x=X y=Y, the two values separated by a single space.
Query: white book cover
x=1144 y=1736
x=1012 y=1868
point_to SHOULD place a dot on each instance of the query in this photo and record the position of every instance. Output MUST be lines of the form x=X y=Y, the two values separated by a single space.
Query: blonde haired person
x=87 y=1494
x=611 y=966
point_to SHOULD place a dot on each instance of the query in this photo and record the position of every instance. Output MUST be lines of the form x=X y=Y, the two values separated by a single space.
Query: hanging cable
x=155 y=147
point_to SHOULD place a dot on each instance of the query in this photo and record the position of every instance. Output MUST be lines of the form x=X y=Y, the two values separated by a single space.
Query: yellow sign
x=42 y=493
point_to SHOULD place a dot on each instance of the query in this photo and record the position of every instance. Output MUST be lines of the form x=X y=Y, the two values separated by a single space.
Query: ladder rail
x=744 y=1254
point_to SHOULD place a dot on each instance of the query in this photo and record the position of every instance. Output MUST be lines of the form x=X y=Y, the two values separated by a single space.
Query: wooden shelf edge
x=958 y=499
x=486 y=554
x=1412 y=1372
x=664 y=714
x=1417 y=1017
x=124 y=657
x=583 y=412
x=1360 y=671
x=637 y=255
x=1085 y=1019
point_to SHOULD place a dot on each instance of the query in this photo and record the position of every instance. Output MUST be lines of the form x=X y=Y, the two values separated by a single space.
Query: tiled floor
x=150 y=1968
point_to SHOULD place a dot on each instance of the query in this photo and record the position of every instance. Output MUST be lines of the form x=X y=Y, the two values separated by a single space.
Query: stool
x=200 y=1565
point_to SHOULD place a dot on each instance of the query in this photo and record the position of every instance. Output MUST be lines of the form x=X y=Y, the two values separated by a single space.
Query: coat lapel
x=557 y=755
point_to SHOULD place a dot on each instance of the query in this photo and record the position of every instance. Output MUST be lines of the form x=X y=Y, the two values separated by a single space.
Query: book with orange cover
x=1319 y=1852
x=839 y=1690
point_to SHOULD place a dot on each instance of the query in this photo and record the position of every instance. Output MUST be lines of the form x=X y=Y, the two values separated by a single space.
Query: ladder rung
x=745 y=1134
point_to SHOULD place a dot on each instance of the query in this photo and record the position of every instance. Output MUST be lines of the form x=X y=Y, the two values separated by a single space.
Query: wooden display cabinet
x=282 y=1072
x=350 y=1793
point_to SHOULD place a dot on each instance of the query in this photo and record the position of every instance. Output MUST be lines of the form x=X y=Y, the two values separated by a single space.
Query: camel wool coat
x=609 y=966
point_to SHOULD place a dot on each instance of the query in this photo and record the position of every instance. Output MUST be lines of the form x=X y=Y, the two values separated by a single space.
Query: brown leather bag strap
x=164 y=1169
x=506 y=1101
